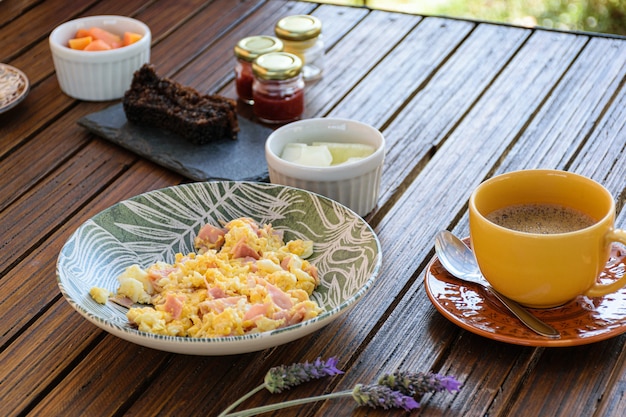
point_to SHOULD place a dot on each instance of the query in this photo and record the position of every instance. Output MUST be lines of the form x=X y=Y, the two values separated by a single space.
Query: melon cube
x=303 y=154
x=343 y=152
x=130 y=37
x=293 y=151
x=80 y=43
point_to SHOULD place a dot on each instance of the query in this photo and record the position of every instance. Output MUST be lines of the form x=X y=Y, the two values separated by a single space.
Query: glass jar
x=246 y=51
x=302 y=36
x=278 y=87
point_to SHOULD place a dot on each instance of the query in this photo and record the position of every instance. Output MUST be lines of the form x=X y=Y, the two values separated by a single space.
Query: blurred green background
x=604 y=16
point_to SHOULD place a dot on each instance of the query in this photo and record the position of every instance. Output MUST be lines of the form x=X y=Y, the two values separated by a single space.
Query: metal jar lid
x=277 y=66
x=253 y=46
x=298 y=27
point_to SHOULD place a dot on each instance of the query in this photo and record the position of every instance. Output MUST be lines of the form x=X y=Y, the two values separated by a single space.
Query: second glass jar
x=278 y=87
x=246 y=51
x=302 y=36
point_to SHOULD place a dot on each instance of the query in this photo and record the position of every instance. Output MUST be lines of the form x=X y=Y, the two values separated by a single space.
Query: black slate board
x=242 y=159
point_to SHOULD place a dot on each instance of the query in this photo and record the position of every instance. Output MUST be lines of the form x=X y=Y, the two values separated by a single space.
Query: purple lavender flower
x=376 y=396
x=418 y=383
x=281 y=378
x=450 y=384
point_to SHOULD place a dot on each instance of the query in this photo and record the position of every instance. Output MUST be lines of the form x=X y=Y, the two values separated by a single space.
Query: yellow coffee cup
x=540 y=268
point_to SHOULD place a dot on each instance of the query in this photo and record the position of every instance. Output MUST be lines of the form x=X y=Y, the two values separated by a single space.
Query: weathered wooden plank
x=613 y=401
x=403 y=71
x=44 y=103
x=444 y=100
x=411 y=339
x=170 y=391
x=35 y=24
x=30 y=364
x=63 y=192
x=36 y=63
x=14 y=8
x=36 y=260
x=572 y=382
x=81 y=392
x=603 y=156
x=25 y=299
x=489 y=127
x=354 y=56
x=572 y=111
x=336 y=23
x=20 y=173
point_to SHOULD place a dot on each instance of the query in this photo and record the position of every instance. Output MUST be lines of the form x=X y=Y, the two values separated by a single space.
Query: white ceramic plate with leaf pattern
x=156 y=225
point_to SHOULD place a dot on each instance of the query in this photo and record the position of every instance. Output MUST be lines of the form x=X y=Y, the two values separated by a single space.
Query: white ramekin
x=98 y=75
x=355 y=185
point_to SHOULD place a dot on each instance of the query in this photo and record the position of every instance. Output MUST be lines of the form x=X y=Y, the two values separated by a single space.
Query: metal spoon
x=459 y=260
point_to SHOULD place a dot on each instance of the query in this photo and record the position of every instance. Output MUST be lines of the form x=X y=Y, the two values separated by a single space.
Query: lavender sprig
x=281 y=378
x=418 y=383
x=395 y=390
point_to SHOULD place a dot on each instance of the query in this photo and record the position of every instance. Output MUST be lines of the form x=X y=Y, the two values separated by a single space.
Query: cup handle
x=598 y=290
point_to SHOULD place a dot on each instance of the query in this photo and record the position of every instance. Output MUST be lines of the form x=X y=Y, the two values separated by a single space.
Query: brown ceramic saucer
x=581 y=321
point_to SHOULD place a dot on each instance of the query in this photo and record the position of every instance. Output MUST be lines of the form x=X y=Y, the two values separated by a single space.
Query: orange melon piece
x=130 y=38
x=82 y=33
x=98 y=45
x=113 y=40
x=80 y=43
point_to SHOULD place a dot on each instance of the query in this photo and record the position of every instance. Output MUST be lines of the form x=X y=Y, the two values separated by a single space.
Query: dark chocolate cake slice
x=164 y=103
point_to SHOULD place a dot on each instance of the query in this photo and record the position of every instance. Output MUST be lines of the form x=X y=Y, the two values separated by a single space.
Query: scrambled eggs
x=243 y=279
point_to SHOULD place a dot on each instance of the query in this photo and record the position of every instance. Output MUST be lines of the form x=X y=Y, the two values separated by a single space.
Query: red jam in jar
x=246 y=51
x=243 y=81
x=278 y=87
x=277 y=109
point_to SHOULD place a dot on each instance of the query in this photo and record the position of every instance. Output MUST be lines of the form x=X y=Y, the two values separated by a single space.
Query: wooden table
x=458 y=101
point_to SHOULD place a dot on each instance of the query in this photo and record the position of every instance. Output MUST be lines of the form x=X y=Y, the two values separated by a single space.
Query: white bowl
x=355 y=184
x=98 y=75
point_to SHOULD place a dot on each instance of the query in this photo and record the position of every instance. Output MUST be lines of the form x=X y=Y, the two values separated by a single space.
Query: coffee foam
x=541 y=218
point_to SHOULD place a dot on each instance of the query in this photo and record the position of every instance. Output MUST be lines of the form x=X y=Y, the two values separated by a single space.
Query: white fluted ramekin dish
x=355 y=184
x=98 y=75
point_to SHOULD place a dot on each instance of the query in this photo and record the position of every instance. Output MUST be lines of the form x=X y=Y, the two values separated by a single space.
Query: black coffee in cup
x=541 y=218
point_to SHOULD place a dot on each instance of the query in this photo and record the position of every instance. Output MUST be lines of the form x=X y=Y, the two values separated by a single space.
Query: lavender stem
x=266 y=408
x=241 y=400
